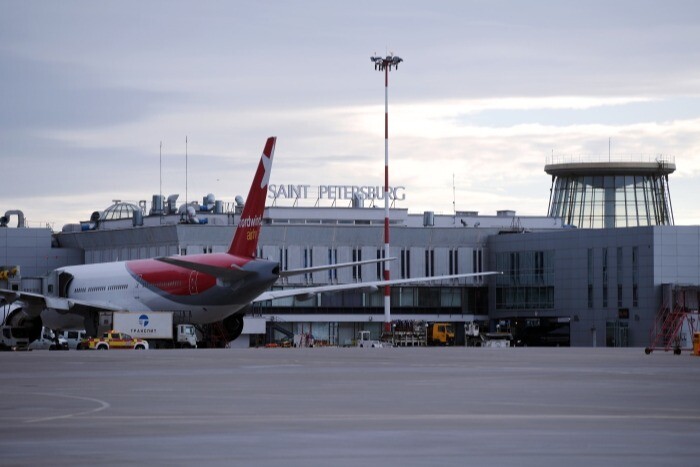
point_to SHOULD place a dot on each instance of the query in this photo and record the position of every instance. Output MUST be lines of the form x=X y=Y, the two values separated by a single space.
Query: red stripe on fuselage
x=177 y=280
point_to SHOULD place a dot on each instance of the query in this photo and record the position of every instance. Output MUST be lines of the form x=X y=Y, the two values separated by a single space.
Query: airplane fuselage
x=197 y=289
x=154 y=285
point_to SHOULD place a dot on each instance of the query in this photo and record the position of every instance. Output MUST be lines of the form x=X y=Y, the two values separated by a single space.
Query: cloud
x=495 y=167
x=487 y=91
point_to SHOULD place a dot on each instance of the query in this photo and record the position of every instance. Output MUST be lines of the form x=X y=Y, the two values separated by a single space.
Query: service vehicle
x=498 y=339
x=156 y=327
x=186 y=336
x=113 y=340
x=409 y=333
x=13 y=338
x=441 y=334
x=48 y=340
x=73 y=337
x=501 y=337
x=472 y=334
x=364 y=340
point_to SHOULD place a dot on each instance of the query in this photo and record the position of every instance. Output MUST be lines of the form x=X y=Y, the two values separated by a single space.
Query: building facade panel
x=584 y=274
x=578 y=287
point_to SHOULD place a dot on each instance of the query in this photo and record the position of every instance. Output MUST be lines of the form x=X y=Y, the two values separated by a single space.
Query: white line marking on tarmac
x=102 y=406
x=311 y=418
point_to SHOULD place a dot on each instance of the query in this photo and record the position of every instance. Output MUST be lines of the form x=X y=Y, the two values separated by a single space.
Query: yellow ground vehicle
x=113 y=340
x=441 y=334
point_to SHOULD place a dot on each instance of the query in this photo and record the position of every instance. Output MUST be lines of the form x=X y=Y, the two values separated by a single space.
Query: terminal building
x=600 y=269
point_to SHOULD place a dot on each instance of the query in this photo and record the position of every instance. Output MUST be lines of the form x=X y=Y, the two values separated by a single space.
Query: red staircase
x=666 y=332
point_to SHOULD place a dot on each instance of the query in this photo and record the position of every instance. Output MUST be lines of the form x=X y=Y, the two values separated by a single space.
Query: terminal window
x=527 y=282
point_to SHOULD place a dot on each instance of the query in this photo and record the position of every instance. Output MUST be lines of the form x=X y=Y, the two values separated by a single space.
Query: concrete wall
x=30 y=248
x=665 y=254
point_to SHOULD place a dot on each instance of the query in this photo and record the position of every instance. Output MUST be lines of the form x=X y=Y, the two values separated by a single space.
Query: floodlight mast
x=385 y=64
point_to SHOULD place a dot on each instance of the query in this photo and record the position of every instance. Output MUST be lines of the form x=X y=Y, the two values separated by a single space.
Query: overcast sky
x=487 y=91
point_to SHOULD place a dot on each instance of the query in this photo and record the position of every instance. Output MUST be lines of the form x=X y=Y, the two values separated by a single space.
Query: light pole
x=385 y=64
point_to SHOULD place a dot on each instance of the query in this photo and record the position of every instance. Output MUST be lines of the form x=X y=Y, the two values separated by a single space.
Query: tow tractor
x=472 y=334
x=364 y=340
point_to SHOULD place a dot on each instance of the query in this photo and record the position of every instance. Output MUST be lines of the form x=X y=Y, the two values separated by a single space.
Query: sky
x=487 y=91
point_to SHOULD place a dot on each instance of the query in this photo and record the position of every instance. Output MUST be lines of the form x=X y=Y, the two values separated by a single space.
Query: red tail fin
x=245 y=241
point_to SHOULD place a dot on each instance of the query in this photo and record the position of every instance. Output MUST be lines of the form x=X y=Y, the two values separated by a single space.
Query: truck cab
x=472 y=334
x=48 y=340
x=364 y=339
x=441 y=334
x=13 y=338
x=186 y=336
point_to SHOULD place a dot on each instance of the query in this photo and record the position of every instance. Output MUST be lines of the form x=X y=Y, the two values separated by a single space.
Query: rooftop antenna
x=185 y=170
x=609 y=143
x=454 y=205
x=160 y=170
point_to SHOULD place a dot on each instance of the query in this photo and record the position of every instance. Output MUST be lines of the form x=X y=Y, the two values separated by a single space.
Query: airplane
x=199 y=289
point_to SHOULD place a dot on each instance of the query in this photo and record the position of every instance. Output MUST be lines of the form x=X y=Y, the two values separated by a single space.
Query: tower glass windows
x=610 y=198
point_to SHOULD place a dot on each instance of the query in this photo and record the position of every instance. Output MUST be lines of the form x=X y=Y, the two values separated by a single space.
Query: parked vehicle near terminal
x=113 y=340
x=497 y=339
x=364 y=339
x=186 y=336
x=13 y=338
x=156 y=327
x=48 y=340
x=441 y=334
x=73 y=338
x=472 y=334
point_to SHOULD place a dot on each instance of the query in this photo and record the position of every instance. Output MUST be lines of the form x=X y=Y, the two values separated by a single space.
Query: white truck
x=364 y=340
x=73 y=337
x=13 y=338
x=472 y=334
x=154 y=326
x=48 y=340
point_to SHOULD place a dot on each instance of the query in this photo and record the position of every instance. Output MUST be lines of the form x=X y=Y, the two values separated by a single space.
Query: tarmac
x=351 y=407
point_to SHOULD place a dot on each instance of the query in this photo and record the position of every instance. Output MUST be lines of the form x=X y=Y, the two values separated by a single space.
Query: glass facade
x=607 y=201
x=407 y=300
x=119 y=211
x=527 y=282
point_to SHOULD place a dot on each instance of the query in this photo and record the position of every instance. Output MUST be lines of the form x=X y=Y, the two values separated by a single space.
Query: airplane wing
x=295 y=272
x=33 y=300
x=37 y=302
x=371 y=285
x=237 y=273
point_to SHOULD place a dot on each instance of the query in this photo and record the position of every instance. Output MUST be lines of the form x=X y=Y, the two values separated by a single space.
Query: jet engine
x=14 y=315
x=233 y=325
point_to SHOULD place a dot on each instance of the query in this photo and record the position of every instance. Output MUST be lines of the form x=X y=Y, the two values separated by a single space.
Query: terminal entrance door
x=617 y=333
x=541 y=332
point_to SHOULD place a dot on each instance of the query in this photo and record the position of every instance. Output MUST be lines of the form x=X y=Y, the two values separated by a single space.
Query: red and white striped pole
x=384 y=64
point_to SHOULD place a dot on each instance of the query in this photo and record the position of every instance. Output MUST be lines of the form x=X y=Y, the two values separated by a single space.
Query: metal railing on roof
x=597 y=158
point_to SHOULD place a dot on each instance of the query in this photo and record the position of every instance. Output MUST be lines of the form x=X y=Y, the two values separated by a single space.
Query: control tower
x=591 y=192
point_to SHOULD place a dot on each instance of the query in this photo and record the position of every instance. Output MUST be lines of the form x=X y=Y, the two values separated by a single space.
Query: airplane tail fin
x=245 y=240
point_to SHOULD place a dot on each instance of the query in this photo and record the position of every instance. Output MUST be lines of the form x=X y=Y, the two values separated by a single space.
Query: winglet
x=245 y=241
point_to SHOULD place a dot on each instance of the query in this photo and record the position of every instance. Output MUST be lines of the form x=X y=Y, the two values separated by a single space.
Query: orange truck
x=441 y=334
